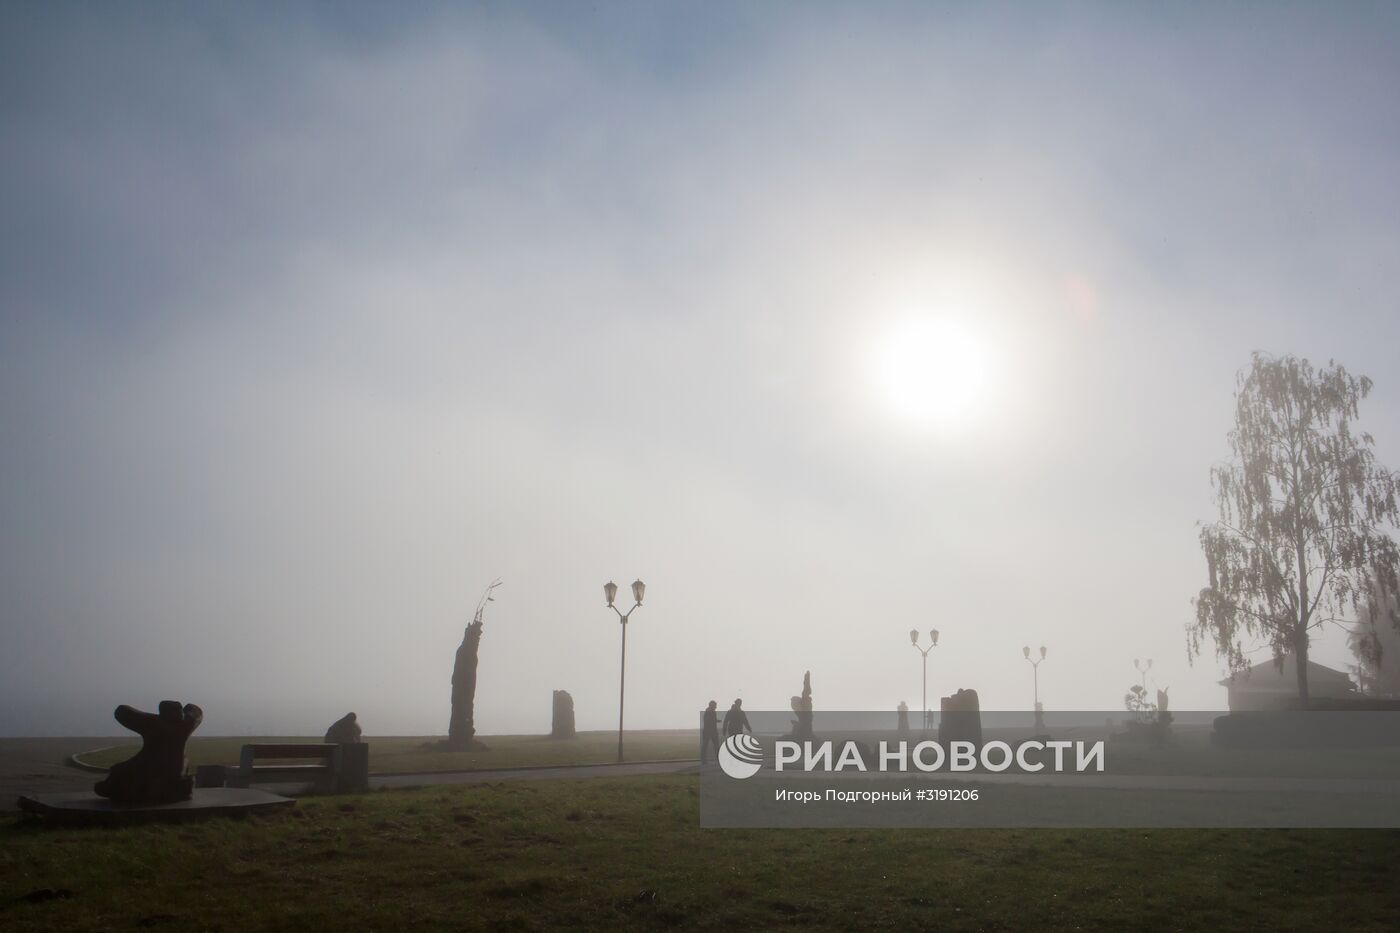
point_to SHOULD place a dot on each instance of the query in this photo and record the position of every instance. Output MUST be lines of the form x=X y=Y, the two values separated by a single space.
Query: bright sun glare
x=933 y=373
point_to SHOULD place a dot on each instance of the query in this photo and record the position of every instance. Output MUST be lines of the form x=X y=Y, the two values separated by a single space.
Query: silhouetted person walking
x=735 y=721
x=709 y=734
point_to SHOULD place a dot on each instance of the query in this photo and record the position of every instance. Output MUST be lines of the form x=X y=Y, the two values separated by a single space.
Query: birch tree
x=1305 y=512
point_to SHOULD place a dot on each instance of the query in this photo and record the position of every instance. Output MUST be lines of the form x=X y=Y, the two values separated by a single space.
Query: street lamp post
x=933 y=643
x=1035 y=679
x=1143 y=669
x=639 y=590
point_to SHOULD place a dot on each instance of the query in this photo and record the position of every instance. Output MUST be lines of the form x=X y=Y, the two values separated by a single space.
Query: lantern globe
x=610 y=591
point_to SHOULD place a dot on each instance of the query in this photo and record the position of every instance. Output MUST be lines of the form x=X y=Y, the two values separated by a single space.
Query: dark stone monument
x=802 y=706
x=461 y=731
x=156 y=773
x=902 y=723
x=344 y=731
x=961 y=719
x=562 y=726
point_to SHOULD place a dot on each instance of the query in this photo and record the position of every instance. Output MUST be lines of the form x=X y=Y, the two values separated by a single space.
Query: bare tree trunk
x=1300 y=655
x=1300 y=635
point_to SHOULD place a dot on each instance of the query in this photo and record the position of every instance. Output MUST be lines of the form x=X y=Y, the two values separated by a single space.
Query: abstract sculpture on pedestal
x=802 y=706
x=155 y=774
x=461 y=729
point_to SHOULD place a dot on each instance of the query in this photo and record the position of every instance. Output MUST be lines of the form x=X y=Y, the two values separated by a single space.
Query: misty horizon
x=825 y=327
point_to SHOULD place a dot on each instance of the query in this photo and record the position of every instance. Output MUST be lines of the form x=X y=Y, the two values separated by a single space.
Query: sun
x=933 y=372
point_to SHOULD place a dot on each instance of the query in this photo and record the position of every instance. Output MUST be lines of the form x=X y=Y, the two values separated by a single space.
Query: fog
x=312 y=323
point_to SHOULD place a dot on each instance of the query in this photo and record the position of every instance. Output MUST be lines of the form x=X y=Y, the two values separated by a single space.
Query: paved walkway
x=30 y=766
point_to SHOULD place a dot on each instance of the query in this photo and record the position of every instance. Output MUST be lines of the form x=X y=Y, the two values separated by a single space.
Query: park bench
x=332 y=768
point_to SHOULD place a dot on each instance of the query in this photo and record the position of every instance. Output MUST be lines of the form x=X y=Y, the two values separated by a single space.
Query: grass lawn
x=609 y=853
x=390 y=754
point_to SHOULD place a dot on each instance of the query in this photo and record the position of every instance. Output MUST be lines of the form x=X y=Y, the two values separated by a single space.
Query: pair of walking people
x=734 y=722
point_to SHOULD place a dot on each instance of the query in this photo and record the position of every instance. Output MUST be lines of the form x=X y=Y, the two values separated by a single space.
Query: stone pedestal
x=85 y=809
x=354 y=768
x=210 y=776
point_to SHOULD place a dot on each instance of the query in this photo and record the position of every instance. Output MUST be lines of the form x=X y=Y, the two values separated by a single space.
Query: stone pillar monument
x=562 y=726
x=960 y=719
x=461 y=731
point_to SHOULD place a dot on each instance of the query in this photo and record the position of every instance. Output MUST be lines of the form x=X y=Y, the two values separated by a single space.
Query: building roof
x=1268 y=676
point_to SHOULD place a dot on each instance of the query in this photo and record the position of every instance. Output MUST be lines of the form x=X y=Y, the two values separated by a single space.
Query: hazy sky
x=313 y=320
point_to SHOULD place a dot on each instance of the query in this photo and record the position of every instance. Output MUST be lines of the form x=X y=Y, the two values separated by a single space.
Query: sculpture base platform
x=87 y=807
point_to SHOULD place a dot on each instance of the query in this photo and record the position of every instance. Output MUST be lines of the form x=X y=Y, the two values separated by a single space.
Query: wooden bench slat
x=336 y=766
x=292 y=751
